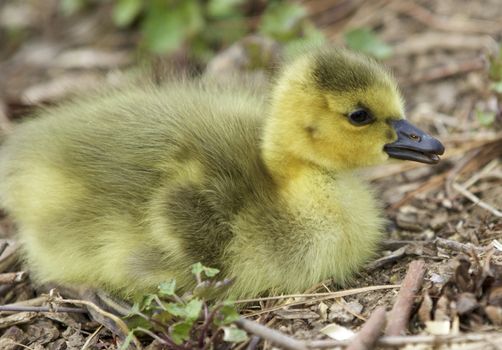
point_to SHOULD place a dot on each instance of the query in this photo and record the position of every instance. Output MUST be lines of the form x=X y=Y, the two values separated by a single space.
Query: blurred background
x=445 y=54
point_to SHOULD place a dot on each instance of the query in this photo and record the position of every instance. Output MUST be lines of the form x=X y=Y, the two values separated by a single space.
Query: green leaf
x=163 y=27
x=167 y=26
x=180 y=332
x=485 y=118
x=234 y=335
x=209 y=289
x=197 y=268
x=364 y=40
x=162 y=317
x=193 y=308
x=223 y=8
x=497 y=87
x=176 y=310
x=190 y=311
x=312 y=39
x=210 y=272
x=192 y=16
x=125 y=11
x=282 y=20
x=127 y=340
x=229 y=315
x=140 y=305
x=135 y=309
x=495 y=70
x=146 y=302
x=136 y=321
x=167 y=288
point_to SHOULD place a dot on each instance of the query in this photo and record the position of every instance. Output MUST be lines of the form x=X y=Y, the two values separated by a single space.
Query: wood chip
x=19 y=318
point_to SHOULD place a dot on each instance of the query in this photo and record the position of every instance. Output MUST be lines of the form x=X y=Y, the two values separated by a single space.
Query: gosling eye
x=360 y=117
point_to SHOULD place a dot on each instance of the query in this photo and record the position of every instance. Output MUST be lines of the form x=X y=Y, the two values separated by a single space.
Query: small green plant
x=485 y=118
x=203 y=26
x=495 y=71
x=190 y=321
x=492 y=117
x=365 y=40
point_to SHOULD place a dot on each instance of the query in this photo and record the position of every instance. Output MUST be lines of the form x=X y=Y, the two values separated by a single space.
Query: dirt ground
x=448 y=215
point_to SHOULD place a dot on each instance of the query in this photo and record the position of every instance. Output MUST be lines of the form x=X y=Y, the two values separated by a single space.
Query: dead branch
x=287 y=342
x=370 y=332
x=392 y=257
x=457 y=246
x=38 y=301
x=21 y=308
x=275 y=337
x=13 y=277
x=253 y=342
x=9 y=255
x=400 y=314
x=403 y=340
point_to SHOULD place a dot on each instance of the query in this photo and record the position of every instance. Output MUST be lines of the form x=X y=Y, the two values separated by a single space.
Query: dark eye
x=360 y=117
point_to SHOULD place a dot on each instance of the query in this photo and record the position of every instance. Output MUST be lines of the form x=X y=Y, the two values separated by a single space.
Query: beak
x=413 y=144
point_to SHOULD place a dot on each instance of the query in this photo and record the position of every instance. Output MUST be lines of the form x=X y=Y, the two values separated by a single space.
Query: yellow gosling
x=126 y=189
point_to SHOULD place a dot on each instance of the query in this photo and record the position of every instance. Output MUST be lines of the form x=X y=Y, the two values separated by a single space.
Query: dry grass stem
x=329 y=295
x=477 y=201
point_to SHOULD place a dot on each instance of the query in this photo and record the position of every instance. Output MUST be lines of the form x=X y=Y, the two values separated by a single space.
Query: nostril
x=414 y=137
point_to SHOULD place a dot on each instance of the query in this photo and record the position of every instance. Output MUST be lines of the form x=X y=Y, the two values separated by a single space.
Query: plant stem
x=207 y=323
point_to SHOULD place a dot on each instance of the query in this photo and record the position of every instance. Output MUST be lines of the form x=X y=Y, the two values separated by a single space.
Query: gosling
x=124 y=189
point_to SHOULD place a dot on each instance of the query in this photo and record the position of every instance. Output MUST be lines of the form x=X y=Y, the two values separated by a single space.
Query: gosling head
x=340 y=110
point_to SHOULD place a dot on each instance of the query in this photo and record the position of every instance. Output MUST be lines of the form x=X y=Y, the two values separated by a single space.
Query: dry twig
x=400 y=314
x=370 y=332
x=457 y=246
x=324 y=296
x=275 y=337
x=477 y=201
x=402 y=340
x=290 y=343
x=9 y=255
x=110 y=321
x=21 y=308
x=13 y=277
x=342 y=293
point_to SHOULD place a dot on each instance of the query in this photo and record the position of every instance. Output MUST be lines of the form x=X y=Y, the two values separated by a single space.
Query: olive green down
x=125 y=189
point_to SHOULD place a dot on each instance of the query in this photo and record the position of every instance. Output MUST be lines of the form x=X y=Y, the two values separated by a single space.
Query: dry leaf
x=337 y=332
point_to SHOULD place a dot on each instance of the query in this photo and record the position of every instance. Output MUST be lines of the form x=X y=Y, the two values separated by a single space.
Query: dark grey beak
x=413 y=144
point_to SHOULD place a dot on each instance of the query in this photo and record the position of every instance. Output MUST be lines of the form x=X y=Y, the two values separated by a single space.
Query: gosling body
x=127 y=189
